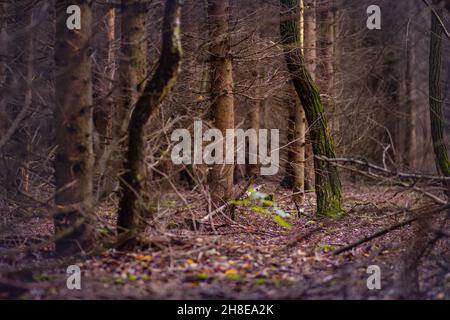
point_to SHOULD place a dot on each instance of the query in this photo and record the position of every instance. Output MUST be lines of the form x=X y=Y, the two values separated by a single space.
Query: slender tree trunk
x=104 y=74
x=309 y=34
x=328 y=185
x=133 y=206
x=299 y=154
x=324 y=57
x=221 y=179
x=435 y=92
x=325 y=41
x=132 y=61
x=410 y=136
x=3 y=66
x=296 y=166
x=254 y=120
x=74 y=126
x=4 y=119
x=289 y=178
x=308 y=44
x=132 y=72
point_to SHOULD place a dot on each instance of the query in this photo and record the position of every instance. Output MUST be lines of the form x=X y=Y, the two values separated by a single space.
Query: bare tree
x=133 y=207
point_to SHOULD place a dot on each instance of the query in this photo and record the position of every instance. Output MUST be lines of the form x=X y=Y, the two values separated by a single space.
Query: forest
x=224 y=149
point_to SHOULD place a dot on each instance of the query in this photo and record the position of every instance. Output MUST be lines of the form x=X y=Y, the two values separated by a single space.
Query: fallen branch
x=384 y=170
x=387 y=230
x=375 y=235
x=390 y=179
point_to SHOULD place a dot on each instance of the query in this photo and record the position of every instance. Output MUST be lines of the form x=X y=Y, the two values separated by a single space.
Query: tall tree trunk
x=309 y=34
x=4 y=119
x=435 y=97
x=299 y=152
x=3 y=66
x=132 y=74
x=132 y=63
x=308 y=45
x=289 y=178
x=325 y=68
x=104 y=75
x=325 y=41
x=74 y=126
x=300 y=156
x=254 y=120
x=328 y=185
x=221 y=179
x=410 y=136
x=133 y=207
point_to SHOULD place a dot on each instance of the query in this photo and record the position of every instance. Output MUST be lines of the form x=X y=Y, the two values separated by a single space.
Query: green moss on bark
x=436 y=115
x=328 y=184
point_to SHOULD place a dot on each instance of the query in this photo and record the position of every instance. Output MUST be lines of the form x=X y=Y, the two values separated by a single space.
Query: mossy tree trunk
x=74 y=127
x=327 y=182
x=221 y=178
x=134 y=208
x=435 y=97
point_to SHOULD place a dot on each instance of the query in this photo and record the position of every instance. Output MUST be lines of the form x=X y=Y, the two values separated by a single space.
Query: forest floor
x=252 y=258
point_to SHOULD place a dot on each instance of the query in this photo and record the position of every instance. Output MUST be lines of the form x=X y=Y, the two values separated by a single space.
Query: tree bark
x=221 y=178
x=299 y=154
x=308 y=44
x=435 y=97
x=74 y=126
x=410 y=136
x=3 y=66
x=327 y=182
x=309 y=34
x=103 y=77
x=254 y=120
x=297 y=125
x=132 y=63
x=133 y=207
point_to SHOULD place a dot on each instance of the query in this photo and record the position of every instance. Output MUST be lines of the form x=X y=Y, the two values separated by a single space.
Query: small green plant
x=327 y=247
x=264 y=203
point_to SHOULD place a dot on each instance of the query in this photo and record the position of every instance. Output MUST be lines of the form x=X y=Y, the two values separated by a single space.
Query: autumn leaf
x=143 y=258
x=231 y=272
